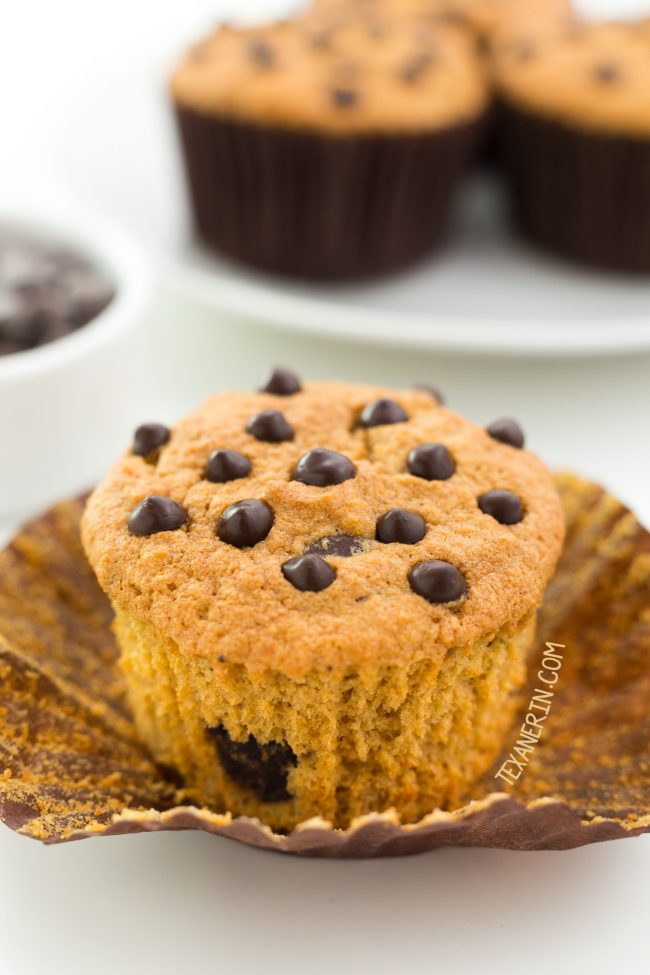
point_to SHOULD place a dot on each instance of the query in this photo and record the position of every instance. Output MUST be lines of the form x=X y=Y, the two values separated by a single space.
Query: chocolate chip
x=431 y=461
x=322 y=468
x=245 y=523
x=438 y=582
x=400 y=525
x=607 y=73
x=507 y=431
x=27 y=329
x=344 y=97
x=343 y=546
x=321 y=40
x=262 y=768
x=309 y=573
x=270 y=426
x=45 y=293
x=226 y=465
x=416 y=67
x=382 y=412
x=262 y=54
x=432 y=391
x=149 y=438
x=504 y=506
x=282 y=382
x=156 y=514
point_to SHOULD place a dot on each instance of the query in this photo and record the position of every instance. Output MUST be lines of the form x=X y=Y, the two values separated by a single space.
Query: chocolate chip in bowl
x=46 y=292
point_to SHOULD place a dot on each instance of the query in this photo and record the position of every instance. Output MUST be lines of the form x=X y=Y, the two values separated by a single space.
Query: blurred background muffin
x=482 y=17
x=575 y=122
x=328 y=147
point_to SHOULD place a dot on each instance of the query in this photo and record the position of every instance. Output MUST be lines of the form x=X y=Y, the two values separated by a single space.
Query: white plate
x=485 y=292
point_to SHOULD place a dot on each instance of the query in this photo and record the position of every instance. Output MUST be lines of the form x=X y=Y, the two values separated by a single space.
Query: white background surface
x=178 y=902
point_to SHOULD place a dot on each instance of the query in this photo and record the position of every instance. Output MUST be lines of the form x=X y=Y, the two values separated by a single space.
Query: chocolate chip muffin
x=328 y=147
x=576 y=138
x=324 y=595
x=483 y=17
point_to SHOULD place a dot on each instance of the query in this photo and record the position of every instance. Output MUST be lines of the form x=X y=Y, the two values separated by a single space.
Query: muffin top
x=587 y=74
x=341 y=75
x=482 y=16
x=325 y=526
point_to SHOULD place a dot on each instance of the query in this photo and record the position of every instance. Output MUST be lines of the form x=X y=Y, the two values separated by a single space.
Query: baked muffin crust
x=594 y=76
x=334 y=74
x=225 y=603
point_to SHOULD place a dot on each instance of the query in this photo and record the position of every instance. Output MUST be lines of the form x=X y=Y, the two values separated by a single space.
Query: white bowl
x=66 y=408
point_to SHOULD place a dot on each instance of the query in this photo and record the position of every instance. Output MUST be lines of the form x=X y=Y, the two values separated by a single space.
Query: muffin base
x=581 y=194
x=321 y=206
x=332 y=746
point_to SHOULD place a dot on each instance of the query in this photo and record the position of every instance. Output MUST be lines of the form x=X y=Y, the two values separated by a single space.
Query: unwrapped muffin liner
x=581 y=194
x=71 y=765
x=321 y=206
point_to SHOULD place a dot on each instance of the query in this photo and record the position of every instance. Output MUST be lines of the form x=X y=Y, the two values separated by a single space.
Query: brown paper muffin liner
x=71 y=765
x=582 y=195
x=321 y=206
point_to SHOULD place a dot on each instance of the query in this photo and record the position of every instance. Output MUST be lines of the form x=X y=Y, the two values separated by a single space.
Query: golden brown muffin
x=576 y=119
x=325 y=595
x=327 y=147
x=484 y=17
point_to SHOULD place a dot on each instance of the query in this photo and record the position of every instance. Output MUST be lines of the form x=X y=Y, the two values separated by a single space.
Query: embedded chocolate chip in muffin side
x=261 y=767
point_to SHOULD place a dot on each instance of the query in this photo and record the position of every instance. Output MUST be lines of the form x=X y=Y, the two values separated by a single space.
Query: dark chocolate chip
x=607 y=73
x=432 y=391
x=322 y=468
x=400 y=525
x=156 y=514
x=226 y=465
x=270 y=426
x=507 y=431
x=382 y=412
x=262 y=768
x=431 y=461
x=344 y=97
x=149 y=438
x=282 y=382
x=504 y=506
x=309 y=573
x=321 y=40
x=28 y=328
x=342 y=546
x=416 y=67
x=245 y=523
x=262 y=54
x=438 y=582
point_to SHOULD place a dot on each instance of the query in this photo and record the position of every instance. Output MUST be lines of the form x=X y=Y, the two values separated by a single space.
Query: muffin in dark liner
x=579 y=193
x=71 y=766
x=328 y=147
x=317 y=205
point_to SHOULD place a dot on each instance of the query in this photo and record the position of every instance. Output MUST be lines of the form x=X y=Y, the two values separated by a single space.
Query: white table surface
x=174 y=903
